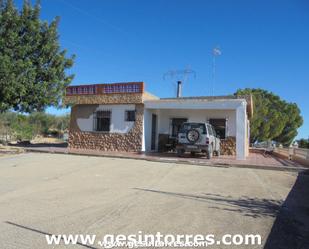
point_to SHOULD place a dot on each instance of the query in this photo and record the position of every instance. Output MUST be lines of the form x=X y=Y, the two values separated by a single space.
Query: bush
x=26 y=127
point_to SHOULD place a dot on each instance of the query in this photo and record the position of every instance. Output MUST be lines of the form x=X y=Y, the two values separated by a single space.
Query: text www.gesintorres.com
x=141 y=240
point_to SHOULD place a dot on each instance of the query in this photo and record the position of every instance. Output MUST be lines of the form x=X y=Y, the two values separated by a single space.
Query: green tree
x=33 y=67
x=303 y=143
x=62 y=122
x=21 y=127
x=41 y=122
x=27 y=127
x=273 y=118
x=18 y=126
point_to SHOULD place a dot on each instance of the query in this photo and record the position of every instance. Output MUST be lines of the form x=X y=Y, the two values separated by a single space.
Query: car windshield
x=188 y=126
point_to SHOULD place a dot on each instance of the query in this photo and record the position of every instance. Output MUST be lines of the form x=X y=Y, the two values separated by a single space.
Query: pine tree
x=273 y=118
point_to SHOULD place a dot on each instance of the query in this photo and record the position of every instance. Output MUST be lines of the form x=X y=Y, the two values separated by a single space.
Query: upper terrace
x=115 y=93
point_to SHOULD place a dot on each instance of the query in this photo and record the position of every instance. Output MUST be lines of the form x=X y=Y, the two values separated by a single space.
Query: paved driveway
x=57 y=194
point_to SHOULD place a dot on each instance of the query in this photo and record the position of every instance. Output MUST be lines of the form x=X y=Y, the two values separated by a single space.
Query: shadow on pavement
x=42 y=232
x=291 y=227
x=285 y=162
x=38 y=145
x=252 y=207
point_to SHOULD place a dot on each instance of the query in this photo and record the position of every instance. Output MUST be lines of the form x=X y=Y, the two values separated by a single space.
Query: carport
x=163 y=116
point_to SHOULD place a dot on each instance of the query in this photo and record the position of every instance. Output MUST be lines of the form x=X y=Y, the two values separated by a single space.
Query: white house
x=123 y=117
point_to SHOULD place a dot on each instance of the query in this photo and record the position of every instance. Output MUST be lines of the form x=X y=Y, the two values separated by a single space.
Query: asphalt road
x=66 y=194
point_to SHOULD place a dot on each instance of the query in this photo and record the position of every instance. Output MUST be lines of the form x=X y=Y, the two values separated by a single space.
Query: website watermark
x=158 y=240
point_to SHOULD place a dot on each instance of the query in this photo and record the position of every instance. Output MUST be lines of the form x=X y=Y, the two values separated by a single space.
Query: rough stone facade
x=115 y=98
x=105 y=141
x=228 y=146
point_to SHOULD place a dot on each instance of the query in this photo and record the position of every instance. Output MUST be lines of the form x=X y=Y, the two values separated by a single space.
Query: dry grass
x=46 y=140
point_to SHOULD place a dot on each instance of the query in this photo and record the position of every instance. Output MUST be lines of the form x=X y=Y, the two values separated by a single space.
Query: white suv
x=198 y=137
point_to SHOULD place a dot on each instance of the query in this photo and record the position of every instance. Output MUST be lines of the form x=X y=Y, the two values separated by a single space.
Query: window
x=188 y=126
x=130 y=116
x=176 y=125
x=219 y=126
x=102 y=120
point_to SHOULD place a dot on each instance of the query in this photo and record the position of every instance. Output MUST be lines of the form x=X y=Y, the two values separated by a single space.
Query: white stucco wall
x=241 y=132
x=118 y=123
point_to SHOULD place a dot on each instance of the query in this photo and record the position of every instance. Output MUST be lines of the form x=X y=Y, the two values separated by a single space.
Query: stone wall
x=115 y=98
x=228 y=146
x=105 y=141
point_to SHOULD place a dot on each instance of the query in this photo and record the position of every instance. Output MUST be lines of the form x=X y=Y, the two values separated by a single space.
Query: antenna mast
x=215 y=52
x=181 y=76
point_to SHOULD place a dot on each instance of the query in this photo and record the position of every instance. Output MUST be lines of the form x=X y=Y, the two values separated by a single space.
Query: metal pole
x=216 y=52
x=213 y=75
x=179 y=88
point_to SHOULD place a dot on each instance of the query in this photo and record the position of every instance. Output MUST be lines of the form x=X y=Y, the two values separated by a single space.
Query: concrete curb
x=162 y=160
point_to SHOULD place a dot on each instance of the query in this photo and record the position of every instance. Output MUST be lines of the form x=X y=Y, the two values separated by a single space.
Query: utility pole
x=215 y=52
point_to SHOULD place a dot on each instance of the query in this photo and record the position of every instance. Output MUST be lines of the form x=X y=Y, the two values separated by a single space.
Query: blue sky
x=264 y=44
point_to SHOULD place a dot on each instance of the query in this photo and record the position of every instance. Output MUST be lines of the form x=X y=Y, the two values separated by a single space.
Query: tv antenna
x=181 y=76
x=215 y=53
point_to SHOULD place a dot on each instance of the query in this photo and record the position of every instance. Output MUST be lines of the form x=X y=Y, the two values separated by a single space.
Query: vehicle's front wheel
x=209 y=152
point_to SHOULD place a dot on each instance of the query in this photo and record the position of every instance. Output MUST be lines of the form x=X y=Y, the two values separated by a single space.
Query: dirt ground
x=65 y=194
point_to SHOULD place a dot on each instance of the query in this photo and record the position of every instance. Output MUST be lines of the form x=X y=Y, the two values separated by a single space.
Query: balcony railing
x=131 y=87
x=82 y=90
